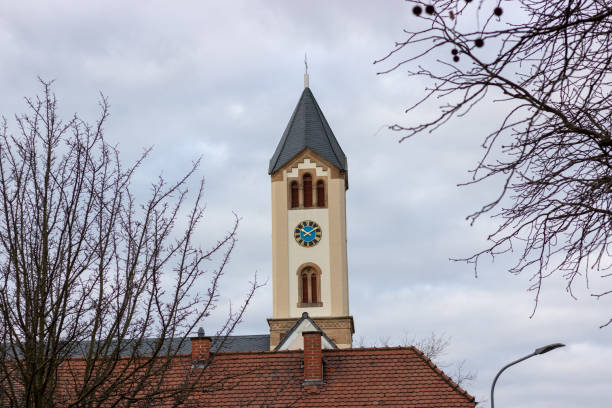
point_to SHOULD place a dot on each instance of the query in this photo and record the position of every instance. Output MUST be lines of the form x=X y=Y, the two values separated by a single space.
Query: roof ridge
x=326 y=127
x=336 y=350
x=286 y=133
x=242 y=335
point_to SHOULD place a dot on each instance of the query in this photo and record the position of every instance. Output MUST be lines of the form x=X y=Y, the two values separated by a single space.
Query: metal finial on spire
x=306 y=71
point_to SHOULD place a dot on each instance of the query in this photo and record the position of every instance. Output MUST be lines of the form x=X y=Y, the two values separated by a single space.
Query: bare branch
x=98 y=292
x=548 y=65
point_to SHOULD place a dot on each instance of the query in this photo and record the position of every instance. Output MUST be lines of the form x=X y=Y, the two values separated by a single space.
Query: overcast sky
x=220 y=79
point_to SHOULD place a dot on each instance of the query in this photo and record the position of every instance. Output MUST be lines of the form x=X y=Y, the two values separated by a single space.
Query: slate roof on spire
x=307 y=128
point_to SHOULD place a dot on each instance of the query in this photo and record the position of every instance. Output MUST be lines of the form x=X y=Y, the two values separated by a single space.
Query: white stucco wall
x=318 y=254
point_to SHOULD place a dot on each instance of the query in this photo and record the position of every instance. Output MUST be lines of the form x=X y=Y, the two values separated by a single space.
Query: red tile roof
x=361 y=377
x=393 y=377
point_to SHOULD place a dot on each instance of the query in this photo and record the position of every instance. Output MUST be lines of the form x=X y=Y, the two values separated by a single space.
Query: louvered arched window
x=310 y=286
x=295 y=195
x=320 y=193
x=305 y=296
x=307 y=185
x=313 y=288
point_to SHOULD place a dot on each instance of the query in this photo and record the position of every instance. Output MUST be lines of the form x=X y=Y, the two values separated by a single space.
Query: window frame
x=309 y=272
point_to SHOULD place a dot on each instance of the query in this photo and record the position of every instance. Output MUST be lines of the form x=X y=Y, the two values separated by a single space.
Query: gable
x=294 y=339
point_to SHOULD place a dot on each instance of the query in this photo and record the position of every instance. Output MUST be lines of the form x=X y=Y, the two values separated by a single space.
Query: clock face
x=307 y=233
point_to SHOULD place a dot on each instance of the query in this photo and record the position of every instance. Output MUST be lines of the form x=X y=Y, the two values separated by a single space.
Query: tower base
x=339 y=329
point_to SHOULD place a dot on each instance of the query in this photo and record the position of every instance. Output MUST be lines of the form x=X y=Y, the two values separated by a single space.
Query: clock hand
x=311 y=231
x=307 y=233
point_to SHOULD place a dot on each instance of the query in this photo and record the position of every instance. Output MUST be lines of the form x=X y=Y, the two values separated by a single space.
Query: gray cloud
x=220 y=79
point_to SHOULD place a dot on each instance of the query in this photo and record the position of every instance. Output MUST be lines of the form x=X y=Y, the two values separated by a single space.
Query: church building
x=307 y=359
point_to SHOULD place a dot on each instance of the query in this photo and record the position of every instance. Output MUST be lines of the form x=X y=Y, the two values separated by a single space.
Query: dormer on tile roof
x=308 y=128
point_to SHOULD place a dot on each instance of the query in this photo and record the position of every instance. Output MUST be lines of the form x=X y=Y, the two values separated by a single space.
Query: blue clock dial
x=307 y=233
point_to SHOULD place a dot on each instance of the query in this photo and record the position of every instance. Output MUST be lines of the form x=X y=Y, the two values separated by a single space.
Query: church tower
x=309 y=181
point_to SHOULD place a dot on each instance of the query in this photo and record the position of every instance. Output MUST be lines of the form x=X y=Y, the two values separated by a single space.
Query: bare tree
x=547 y=64
x=435 y=348
x=95 y=286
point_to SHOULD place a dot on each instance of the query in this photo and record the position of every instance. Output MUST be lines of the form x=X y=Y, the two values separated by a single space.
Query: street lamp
x=537 y=351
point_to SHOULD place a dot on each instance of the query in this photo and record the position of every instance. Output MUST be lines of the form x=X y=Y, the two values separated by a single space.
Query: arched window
x=313 y=288
x=309 y=282
x=307 y=184
x=305 y=286
x=320 y=193
x=295 y=195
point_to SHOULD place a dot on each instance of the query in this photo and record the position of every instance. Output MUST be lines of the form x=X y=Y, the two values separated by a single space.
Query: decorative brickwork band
x=313 y=357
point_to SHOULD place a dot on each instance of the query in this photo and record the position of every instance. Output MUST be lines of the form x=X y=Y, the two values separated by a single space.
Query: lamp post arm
x=503 y=369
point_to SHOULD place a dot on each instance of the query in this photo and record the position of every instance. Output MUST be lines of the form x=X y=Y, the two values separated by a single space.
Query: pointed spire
x=308 y=128
x=306 y=71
